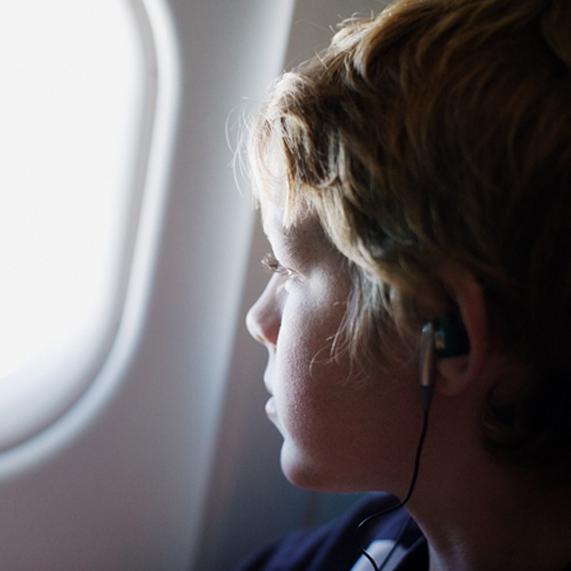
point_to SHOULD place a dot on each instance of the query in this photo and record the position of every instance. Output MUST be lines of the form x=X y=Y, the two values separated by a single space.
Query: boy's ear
x=456 y=374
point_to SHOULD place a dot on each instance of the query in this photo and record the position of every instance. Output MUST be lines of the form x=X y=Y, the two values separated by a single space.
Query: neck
x=510 y=539
x=482 y=516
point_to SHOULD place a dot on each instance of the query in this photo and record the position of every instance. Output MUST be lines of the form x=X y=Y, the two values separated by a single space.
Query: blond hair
x=439 y=132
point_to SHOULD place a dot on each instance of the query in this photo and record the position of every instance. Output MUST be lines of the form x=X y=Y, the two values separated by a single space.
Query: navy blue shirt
x=335 y=546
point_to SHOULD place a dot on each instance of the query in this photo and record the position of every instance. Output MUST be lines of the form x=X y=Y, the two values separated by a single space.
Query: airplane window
x=74 y=91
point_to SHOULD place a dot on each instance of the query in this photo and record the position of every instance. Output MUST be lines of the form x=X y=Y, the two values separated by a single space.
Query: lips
x=271 y=409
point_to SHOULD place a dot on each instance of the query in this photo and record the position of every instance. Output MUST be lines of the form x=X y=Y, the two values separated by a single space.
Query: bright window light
x=71 y=105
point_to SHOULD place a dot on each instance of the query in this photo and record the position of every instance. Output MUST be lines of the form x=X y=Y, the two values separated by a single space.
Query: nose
x=264 y=318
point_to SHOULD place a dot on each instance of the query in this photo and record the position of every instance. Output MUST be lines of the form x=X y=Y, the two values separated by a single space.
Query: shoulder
x=335 y=545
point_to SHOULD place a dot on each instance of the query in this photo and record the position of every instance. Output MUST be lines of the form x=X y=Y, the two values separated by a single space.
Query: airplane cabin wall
x=167 y=461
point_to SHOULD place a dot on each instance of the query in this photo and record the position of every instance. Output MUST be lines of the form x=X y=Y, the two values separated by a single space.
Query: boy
x=415 y=186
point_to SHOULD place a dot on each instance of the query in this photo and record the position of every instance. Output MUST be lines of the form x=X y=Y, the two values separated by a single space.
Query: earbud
x=444 y=337
x=426 y=364
x=450 y=337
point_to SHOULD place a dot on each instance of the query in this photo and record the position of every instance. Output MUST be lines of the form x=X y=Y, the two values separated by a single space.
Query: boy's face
x=339 y=432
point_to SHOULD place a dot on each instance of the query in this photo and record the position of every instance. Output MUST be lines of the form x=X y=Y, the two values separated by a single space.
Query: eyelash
x=272 y=266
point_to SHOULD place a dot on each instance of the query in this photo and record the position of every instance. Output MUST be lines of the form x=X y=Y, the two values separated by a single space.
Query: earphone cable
x=400 y=504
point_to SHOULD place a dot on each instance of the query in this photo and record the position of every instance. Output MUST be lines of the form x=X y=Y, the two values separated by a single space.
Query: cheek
x=340 y=433
x=303 y=360
x=303 y=369
x=297 y=388
x=319 y=410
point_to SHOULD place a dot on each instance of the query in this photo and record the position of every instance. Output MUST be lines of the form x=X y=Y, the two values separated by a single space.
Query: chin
x=298 y=470
x=304 y=472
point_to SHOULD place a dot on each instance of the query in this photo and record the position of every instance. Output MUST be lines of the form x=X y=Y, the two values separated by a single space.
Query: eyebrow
x=302 y=243
x=295 y=233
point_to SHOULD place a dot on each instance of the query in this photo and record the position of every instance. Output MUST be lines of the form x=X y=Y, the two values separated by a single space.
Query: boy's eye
x=271 y=265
